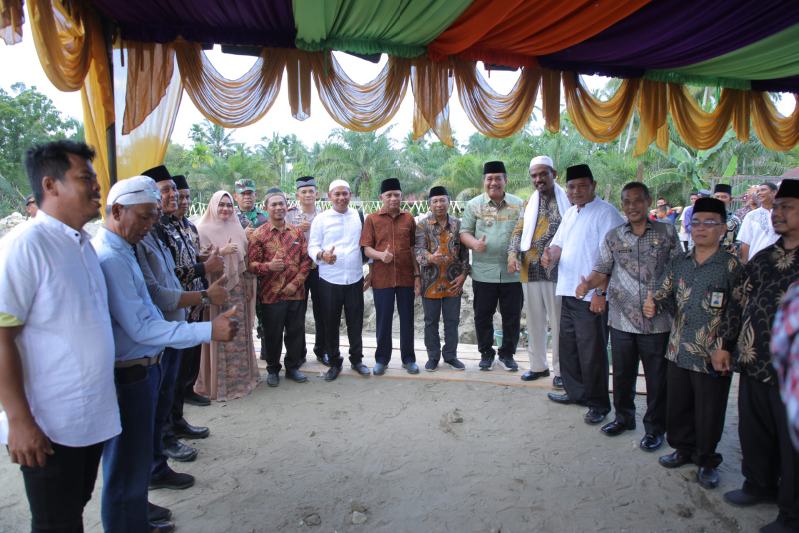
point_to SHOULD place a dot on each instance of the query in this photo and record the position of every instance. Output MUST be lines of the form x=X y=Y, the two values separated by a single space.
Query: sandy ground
x=424 y=455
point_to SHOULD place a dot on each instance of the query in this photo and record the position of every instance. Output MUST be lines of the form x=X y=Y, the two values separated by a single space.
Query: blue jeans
x=170 y=366
x=127 y=457
x=384 y=307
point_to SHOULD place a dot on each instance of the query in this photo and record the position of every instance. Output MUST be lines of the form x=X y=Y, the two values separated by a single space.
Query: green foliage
x=27 y=117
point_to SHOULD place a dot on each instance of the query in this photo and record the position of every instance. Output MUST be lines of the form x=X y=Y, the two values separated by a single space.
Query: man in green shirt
x=249 y=214
x=488 y=223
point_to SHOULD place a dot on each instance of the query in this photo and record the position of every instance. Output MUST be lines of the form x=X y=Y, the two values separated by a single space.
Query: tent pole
x=110 y=132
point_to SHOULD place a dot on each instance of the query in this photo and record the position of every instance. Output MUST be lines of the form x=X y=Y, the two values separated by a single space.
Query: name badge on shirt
x=717 y=299
x=624 y=250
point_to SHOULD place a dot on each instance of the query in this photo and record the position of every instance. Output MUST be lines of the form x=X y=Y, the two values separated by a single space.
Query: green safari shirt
x=496 y=221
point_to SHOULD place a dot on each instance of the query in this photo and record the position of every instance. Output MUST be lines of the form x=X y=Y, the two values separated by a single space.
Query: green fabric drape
x=401 y=28
x=774 y=57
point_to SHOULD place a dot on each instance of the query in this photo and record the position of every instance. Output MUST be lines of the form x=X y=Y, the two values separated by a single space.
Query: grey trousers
x=434 y=308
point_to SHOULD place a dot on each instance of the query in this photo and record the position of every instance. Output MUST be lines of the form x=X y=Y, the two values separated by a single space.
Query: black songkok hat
x=576 y=172
x=305 y=181
x=788 y=189
x=159 y=173
x=710 y=205
x=390 y=184
x=180 y=182
x=438 y=190
x=494 y=167
x=723 y=187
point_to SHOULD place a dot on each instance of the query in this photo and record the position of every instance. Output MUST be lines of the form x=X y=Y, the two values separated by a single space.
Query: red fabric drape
x=513 y=32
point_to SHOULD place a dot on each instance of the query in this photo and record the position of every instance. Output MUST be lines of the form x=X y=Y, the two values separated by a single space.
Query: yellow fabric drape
x=774 y=130
x=432 y=84
x=72 y=52
x=702 y=129
x=494 y=114
x=150 y=68
x=596 y=120
x=550 y=97
x=230 y=103
x=652 y=111
x=11 y=19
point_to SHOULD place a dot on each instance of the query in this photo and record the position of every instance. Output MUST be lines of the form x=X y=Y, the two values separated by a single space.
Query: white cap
x=132 y=191
x=337 y=183
x=542 y=160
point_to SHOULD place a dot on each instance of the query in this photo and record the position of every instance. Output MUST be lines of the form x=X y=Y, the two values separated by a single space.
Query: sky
x=19 y=63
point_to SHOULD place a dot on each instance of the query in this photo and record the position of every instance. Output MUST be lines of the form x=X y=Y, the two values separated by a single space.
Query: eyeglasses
x=710 y=224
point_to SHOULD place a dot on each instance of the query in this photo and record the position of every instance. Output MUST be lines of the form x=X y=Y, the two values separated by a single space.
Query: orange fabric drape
x=150 y=69
x=652 y=111
x=703 y=129
x=775 y=131
x=599 y=121
x=11 y=19
x=513 y=32
x=432 y=85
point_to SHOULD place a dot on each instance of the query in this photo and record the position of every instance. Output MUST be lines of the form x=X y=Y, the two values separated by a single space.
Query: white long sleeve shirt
x=342 y=230
x=579 y=236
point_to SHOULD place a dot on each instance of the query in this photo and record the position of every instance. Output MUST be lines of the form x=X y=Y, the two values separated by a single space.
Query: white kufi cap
x=542 y=160
x=133 y=191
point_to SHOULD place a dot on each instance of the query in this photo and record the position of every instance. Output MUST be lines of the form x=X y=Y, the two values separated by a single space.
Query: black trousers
x=770 y=463
x=282 y=322
x=583 y=348
x=510 y=298
x=312 y=288
x=384 y=318
x=696 y=407
x=187 y=376
x=627 y=349
x=58 y=491
x=348 y=298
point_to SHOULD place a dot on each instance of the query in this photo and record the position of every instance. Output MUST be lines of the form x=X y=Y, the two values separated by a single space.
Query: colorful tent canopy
x=742 y=47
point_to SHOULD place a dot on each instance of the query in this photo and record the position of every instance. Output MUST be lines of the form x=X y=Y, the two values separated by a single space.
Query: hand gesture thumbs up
x=225 y=326
x=480 y=247
x=387 y=255
x=649 y=305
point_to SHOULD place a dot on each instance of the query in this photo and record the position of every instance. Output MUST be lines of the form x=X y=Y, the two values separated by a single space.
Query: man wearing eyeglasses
x=696 y=289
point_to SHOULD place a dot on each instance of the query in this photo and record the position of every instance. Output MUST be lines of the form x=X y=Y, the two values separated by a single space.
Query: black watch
x=600 y=292
x=204 y=297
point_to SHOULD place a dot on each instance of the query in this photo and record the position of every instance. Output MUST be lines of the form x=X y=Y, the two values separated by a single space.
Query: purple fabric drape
x=673 y=33
x=787 y=85
x=246 y=22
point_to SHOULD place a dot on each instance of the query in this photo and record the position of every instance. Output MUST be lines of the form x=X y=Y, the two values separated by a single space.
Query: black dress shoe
x=273 y=380
x=594 y=416
x=559 y=398
x=362 y=369
x=557 y=383
x=184 y=430
x=180 y=452
x=156 y=513
x=651 y=442
x=675 y=459
x=742 y=498
x=196 y=399
x=171 y=480
x=295 y=375
x=777 y=527
x=708 y=477
x=161 y=527
x=615 y=428
x=532 y=376
x=332 y=373
x=324 y=359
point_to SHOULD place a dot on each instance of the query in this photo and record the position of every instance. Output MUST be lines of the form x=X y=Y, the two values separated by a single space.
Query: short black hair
x=771 y=185
x=52 y=159
x=636 y=185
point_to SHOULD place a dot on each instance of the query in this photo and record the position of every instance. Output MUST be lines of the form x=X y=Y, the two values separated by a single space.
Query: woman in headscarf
x=228 y=370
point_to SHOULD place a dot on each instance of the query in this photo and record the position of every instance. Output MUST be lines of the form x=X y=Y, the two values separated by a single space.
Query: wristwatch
x=204 y=298
x=600 y=292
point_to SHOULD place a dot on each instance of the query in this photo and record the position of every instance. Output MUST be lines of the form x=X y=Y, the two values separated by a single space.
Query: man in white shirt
x=583 y=337
x=334 y=245
x=756 y=230
x=56 y=343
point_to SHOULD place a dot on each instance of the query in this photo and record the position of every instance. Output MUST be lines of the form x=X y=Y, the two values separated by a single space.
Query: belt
x=141 y=361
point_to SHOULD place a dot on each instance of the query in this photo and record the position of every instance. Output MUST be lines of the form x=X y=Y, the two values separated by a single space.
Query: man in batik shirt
x=723 y=192
x=696 y=289
x=444 y=265
x=770 y=464
x=278 y=255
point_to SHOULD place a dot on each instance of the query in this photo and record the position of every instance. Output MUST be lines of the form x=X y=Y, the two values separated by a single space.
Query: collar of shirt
x=628 y=228
x=432 y=221
x=269 y=227
x=78 y=236
x=384 y=211
x=487 y=199
x=715 y=258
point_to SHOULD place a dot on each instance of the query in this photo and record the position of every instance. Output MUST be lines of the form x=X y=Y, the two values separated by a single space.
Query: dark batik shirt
x=636 y=265
x=188 y=269
x=747 y=322
x=729 y=241
x=430 y=236
x=545 y=228
x=697 y=295
x=268 y=243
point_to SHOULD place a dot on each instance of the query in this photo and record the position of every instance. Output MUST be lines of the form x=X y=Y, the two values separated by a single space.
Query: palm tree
x=213 y=136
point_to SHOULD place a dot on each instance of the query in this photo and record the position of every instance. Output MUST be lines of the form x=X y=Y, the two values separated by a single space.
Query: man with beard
x=634 y=256
x=770 y=464
x=533 y=232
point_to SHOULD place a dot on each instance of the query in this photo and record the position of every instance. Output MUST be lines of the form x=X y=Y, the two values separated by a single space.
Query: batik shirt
x=179 y=242
x=545 y=228
x=730 y=237
x=432 y=236
x=494 y=220
x=785 y=347
x=636 y=265
x=746 y=326
x=696 y=295
x=253 y=218
x=268 y=243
